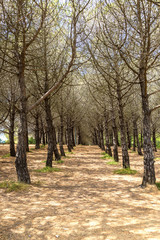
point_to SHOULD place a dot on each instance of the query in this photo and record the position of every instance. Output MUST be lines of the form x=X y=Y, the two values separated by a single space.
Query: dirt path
x=85 y=201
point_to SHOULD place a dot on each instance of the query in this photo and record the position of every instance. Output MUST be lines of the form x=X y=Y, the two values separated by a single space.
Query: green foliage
x=112 y=163
x=48 y=169
x=13 y=186
x=106 y=156
x=158 y=185
x=31 y=140
x=6 y=155
x=125 y=171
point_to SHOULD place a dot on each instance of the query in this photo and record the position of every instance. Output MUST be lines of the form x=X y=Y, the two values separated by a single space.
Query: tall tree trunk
x=37 y=138
x=154 y=139
x=125 y=156
x=79 y=136
x=73 y=138
x=134 y=140
x=69 y=135
x=136 y=136
x=149 y=171
x=128 y=136
x=108 y=148
x=21 y=157
x=27 y=142
x=11 y=131
x=115 y=133
x=42 y=133
x=61 y=137
x=52 y=146
x=101 y=137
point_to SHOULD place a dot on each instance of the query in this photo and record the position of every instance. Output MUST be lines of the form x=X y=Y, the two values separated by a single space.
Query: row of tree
x=80 y=67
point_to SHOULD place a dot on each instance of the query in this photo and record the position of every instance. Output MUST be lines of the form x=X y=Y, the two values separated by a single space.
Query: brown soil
x=84 y=201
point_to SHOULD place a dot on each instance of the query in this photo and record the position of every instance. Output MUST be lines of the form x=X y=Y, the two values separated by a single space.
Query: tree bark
x=37 y=138
x=136 y=136
x=61 y=137
x=125 y=156
x=128 y=136
x=149 y=171
x=154 y=139
x=52 y=146
x=108 y=148
x=21 y=157
x=11 y=131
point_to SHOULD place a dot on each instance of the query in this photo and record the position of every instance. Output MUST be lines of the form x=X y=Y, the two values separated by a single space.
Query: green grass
x=158 y=185
x=112 y=163
x=11 y=186
x=125 y=171
x=48 y=169
x=69 y=152
x=106 y=156
x=42 y=146
x=6 y=155
x=157 y=159
x=59 y=161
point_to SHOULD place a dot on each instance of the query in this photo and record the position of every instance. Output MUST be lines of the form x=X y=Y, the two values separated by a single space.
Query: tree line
x=84 y=68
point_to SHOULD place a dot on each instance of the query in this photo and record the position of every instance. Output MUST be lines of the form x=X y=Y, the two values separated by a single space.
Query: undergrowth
x=112 y=163
x=158 y=185
x=125 y=171
x=48 y=169
x=6 y=155
x=106 y=156
x=59 y=161
x=11 y=186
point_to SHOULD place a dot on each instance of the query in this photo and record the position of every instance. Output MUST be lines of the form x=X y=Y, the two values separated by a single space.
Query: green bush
x=31 y=140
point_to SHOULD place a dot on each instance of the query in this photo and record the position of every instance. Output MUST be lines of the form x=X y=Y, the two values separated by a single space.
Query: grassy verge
x=106 y=156
x=11 y=186
x=112 y=163
x=125 y=171
x=6 y=155
x=48 y=169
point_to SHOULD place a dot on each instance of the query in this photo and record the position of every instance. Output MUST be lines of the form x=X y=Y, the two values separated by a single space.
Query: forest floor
x=83 y=201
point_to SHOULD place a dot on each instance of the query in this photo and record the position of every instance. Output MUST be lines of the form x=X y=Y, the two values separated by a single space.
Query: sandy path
x=85 y=201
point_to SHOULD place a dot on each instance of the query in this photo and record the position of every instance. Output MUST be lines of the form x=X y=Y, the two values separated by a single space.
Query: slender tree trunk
x=149 y=171
x=101 y=137
x=134 y=140
x=79 y=136
x=137 y=139
x=108 y=148
x=11 y=131
x=43 y=133
x=69 y=135
x=21 y=157
x=52 y=146
x=27 y=142
x=61 y=137
x=37 y=138
x=128 y=136
x=115 y=133
x=154 y=140
x=73 y=139
x=125 y=156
